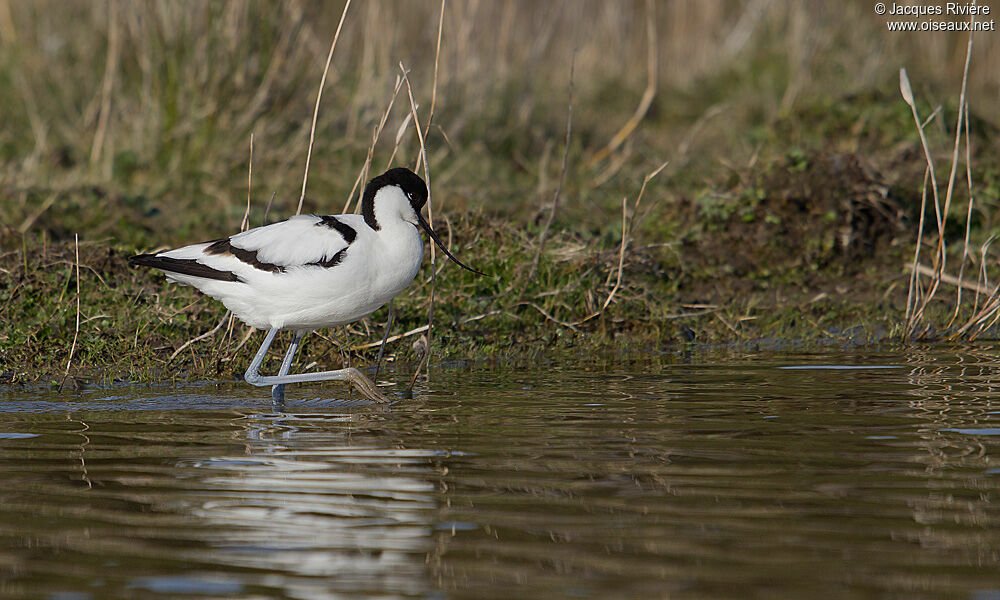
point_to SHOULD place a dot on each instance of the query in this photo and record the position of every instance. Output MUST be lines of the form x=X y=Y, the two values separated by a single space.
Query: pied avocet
x=311 y=272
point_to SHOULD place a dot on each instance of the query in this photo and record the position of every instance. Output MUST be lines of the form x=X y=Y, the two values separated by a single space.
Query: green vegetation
x=787 y=212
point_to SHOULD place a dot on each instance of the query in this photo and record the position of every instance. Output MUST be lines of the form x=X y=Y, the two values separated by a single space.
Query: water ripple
x=783 y=476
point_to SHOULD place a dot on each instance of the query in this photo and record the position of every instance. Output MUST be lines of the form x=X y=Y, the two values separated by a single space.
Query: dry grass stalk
x=319 y=97
x=399 y=138
x=647 y=96
x=919 y=306
x=548 y=316
x=8 y=32
x=421 y=329
x=968 y=180
x=376 y=134
x=229 y=320
x=968 y=223
x=914 y=289
x=208 y=333
x=245 y=223
x=391 y=339
x=952 y=280
x=728 y=325
x=434 y=85
x=448 y=245
x=642 y=190
x=437 y=57
x=267 y=209
x=621 y=256
x=363 y=176
x=422 y=345
x=76 y=332
x=246 y=337
x=30 y=220
x=430 y=205
x=990 y=310
x=277 y=64
x=627 y=227
x=962 y=108
x=978 y=322
x=983 y=275
x=917 y=298
x=562 y=177
x=110 y=68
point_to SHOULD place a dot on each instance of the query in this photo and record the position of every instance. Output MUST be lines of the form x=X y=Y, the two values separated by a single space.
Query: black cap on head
x=411 y=184
x=416 y=190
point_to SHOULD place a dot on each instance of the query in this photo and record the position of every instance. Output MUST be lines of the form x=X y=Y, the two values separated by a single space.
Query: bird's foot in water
x=366 y=386
x=363 y=384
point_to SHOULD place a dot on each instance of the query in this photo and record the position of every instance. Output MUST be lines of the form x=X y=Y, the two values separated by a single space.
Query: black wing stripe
x=184 y=266
x=333 y=261
x=345 y=230
x=225 y=246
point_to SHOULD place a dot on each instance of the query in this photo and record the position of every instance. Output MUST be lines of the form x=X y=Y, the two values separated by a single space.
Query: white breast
x=303 y=295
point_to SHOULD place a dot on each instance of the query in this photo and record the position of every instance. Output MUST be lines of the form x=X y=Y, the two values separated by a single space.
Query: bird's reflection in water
x=326 y=496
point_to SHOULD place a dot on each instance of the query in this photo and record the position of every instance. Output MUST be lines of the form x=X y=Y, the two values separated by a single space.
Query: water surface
x=757 y=476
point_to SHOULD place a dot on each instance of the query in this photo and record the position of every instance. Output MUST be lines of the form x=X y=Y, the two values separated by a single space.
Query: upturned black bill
x=437 y=241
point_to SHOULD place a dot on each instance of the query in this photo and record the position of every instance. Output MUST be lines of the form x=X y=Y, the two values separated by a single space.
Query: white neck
x=392 y=207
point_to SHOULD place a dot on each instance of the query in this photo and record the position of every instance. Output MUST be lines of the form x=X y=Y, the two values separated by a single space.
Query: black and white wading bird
x=311 y=272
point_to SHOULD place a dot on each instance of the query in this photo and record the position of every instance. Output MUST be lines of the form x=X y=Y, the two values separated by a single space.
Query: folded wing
x=302 y=241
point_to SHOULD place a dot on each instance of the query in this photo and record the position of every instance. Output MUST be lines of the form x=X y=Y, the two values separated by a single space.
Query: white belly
x=373 y=271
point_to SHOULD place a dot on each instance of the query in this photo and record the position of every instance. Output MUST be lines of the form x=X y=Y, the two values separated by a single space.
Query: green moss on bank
x=787 y=213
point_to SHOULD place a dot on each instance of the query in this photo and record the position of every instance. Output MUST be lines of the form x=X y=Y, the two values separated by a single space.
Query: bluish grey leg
x=362 y=383
x=385 y=338
x=278 y=391
x=352 y=375
x=251 y=376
